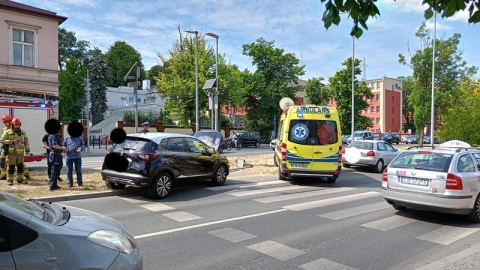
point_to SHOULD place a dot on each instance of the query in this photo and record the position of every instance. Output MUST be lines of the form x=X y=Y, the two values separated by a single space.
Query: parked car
x=157 y=160
x=411 y=139
x=391 y=138
x=368 y=153
x=345 y=139
x=360 y=135
x=42 y=235
x=212 y=138
x=273 y=144
x=426 y=140
x=442 y=179
x=245 y=139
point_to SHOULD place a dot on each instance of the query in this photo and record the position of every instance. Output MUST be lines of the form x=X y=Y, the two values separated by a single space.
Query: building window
x=378 y=97
x=378 y=85
x=378 y=120
x=123 y=98
x=373 y=109
x=378 y=108
x=130 y=99
x=367 y=110
x=393 y=99
x=23 y=47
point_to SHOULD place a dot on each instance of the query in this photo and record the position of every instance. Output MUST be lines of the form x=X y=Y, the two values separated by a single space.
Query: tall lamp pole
x=215 y=94
x=353 y=86
x=196 y=77
x=432 y=112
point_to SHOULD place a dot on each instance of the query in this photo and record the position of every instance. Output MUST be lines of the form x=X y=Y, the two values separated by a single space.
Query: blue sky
x=150 y=26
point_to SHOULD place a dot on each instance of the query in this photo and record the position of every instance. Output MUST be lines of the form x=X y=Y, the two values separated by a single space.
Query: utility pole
x=89 y=87
x=135 y=90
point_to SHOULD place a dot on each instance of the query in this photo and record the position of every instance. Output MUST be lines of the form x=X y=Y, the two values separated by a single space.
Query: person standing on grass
x=49 y=164
x=75 y=146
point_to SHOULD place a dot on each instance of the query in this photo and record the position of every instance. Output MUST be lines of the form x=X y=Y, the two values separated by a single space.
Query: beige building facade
x=29 y=51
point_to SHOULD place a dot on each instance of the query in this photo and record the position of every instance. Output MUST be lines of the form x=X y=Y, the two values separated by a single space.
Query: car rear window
x=430 y=161
x=135 y=144
x=361 y=145
x=313 y=132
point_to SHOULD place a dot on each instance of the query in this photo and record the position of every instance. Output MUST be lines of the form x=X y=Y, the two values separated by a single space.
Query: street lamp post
x=432 y=111
x=196 y=77
x=215 y=94
x=353 y=86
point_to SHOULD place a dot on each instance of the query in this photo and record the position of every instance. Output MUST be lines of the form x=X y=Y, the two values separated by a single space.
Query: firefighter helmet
x=6 y=118
x=16 y=121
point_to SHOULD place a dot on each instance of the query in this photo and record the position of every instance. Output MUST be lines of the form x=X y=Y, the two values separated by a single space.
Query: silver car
x=40 y=235
x=368 y=153
x=442 y=179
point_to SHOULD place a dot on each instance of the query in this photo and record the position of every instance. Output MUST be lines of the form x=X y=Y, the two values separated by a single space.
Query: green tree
x=69 y=47
x=153 y=73
x=276 y=76
x=316 y=92
x=461 y=122
x=341 y=91
x=120 y=58
x=361 y=11
x=408 y=83
x=72 y=88
x=98 y=96
x=450 y=69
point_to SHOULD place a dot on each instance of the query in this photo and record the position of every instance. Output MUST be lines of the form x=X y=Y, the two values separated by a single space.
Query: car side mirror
x=208 y=152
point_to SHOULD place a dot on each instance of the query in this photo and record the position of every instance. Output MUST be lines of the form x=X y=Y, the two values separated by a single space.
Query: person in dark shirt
x=47 y=148
x=56 y=150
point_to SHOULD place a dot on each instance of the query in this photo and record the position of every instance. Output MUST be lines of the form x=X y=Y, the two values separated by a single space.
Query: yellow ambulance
x=309 y=142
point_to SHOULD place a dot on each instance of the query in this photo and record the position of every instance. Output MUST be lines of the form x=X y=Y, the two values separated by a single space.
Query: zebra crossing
x=268 y=190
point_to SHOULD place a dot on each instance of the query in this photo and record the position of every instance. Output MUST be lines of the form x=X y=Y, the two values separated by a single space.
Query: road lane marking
x=276 y=250
x=137 y=199
x=446 y=235
x=324 y=264
x=443 y=262
x=232 y=235
x=240 y=177
x=332 y=201
x=239 y=186
x=181 y=216
x=286 y=197
x=355 y=211
x=156 y=207
x=208 y=224
x=266 y=190
x=389 y=223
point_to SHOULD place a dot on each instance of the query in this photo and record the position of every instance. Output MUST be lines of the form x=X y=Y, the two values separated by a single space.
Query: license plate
x=414 y=181
x=298 y=165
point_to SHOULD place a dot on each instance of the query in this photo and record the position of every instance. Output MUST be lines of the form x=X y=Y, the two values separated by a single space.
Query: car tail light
x=425 y=152
x=109 y=151
x=284 y=151
x=453 y=182
x=147 y=157
x=370 y=154
x=341 y=151
x=385 y=175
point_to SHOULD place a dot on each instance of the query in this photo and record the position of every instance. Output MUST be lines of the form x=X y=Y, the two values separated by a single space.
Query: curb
x=91 y=195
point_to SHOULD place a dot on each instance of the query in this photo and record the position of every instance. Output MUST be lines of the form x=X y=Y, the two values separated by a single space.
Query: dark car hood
x=88 y=221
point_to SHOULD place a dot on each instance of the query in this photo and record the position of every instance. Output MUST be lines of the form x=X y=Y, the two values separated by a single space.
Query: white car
x=368 y=153
x=273 y=144
x=444 y=179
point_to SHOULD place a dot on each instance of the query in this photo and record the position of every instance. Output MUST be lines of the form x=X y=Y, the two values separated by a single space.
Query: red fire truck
x=33 y=116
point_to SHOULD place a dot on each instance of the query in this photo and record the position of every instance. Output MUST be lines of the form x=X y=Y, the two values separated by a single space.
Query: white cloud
x=407 y=5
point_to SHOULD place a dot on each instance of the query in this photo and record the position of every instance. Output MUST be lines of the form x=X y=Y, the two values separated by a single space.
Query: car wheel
x=162 y=186
x=257 y=144
x=275 y=161
x=220 y=149
x=114 y=186
x=220 y=176
x=379 y=166
x=281 y=175
x=346 y=165
x=474 y=215
x=239 y=145
x=331 y=180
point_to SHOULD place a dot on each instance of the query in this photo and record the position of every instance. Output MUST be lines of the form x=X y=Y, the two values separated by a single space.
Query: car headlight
x=112 y=240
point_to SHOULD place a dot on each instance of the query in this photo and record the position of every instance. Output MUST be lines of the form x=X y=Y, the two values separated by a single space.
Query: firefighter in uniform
x=17 y=142
x=6 y=119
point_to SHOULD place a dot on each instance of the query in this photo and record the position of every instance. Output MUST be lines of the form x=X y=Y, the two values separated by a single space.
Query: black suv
x=391 y=138
x=245 y=139
x=157 y=160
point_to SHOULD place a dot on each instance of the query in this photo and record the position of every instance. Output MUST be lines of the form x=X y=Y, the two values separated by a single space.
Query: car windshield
x=24 y=206
x=358 y=134
x=361 y=145
x=132 y=143
x=423 y=160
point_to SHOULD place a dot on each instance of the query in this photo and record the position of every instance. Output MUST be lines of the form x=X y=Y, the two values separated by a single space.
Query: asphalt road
x=258 y=222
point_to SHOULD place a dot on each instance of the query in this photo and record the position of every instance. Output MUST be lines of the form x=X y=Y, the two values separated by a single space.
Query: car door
x=468 y=171
x=202 y=162
x=6 y=259
x=179 y=158
x=390 y=153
